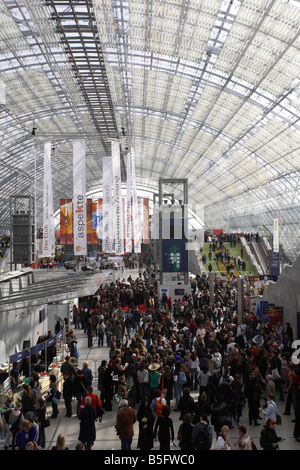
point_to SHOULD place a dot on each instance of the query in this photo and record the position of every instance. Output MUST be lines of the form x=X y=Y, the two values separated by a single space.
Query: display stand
x=54 y=368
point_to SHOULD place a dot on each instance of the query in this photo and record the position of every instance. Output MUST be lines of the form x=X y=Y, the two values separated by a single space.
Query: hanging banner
x=146 y=221
x=94 y=223
x=66 y=222
x=79 y=198
x=124 y=222
x=107 y=207
x=135 y=210
x=70 y=222
x=117 y=198
x=99 y=219
x=276 y=236
x=48 y=218
x=89 y=221
x=128 y=219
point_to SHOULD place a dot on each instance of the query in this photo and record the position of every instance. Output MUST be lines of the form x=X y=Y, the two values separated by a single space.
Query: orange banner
x=89 y=221
x=66 y=222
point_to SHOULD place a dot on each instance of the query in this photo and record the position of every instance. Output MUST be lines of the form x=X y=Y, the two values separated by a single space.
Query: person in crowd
x=185 y=432
x=164 y=429
x=270 y=408
x=6 y=410
x=268 y=436
x=146 y=419
x=68 y=368
x=124 y=425
x=88 y=374
x=95 y=402
x=243 y=437
x=27 y=433
x=52 y=396
x=16 y=418
x=180 y=379
x=202 y=436
x=186 y=404
x=68 y=394
x=80 y=385
x=15 y=376
x=27 y=399
x=41 y=420
x=60 y=443
x=87 y=417
x=223 y=440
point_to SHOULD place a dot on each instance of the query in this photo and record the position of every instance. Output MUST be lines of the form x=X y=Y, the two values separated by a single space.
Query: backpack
x=182 y=378
x=15 y=426
x=159 y=407
x=202 y=441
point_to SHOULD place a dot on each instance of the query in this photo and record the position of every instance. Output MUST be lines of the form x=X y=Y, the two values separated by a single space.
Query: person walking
x=124 y=425
x=270 y=409
x=68 y=395
x=146 y=419
x=202 y=435
x=87 y=417
x=164 y=429
x=41 y=420
x=90 y=331
x=185 y=432
x=186 y=403
x=88 y=374
x=268 y=436
x=179 y=380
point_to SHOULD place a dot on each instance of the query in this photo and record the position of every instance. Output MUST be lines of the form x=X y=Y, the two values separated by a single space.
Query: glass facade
x=207 y=90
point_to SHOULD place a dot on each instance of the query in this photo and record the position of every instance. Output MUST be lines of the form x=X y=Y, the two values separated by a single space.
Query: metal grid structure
x=207 y=90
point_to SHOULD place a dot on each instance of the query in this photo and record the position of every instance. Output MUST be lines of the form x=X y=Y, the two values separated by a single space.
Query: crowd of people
x=161 y=351
x=186 y=358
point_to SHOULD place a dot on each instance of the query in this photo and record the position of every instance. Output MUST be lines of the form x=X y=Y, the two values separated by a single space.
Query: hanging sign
x=48 y=218
x=79 y=198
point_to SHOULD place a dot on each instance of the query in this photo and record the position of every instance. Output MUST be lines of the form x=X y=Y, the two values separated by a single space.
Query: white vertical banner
x=276 y=236
x=48 y=217
x=79 y=197
x=128 y=219
x=117 y=195
x=135 y=209
x=107 y=207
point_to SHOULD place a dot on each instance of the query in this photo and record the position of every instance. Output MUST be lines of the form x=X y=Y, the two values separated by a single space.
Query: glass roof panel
x=205 y=89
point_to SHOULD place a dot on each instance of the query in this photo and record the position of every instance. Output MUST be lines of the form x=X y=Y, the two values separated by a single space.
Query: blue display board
x=174 y=255
x=274 y=263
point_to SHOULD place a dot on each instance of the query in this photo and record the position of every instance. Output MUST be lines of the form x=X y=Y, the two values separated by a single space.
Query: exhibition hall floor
x=106 y=436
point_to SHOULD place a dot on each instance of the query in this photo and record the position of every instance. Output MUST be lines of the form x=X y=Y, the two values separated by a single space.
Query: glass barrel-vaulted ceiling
x=208 y=90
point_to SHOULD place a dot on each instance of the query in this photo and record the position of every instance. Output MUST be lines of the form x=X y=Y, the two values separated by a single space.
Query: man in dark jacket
x=87 y=417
